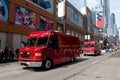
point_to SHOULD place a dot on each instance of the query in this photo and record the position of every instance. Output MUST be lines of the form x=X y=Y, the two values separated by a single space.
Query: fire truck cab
x=47 y=48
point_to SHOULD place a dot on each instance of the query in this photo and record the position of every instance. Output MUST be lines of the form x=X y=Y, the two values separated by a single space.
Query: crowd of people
x=8 y=54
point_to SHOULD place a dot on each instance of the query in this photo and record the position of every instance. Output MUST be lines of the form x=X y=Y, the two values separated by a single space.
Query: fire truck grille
x=25 y=55
x=87 y=51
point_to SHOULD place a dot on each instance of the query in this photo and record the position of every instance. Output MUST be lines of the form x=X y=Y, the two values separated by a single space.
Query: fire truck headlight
x=28 y=53
x=38 y=54
x=21 y=52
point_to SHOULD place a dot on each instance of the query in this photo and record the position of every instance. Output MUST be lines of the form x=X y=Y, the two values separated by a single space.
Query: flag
x=99 y=20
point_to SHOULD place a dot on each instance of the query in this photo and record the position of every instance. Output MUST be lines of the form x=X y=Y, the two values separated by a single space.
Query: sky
x=114 y=8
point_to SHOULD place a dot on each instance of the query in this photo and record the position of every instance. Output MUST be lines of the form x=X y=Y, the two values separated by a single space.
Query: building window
x=72 y=33
x=45 y=4
x=68 y=32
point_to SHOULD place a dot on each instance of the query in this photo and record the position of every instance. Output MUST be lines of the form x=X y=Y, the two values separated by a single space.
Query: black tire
x=72 y=59
x=47 y=64
x=99 y=52
x=85 y=54
x=95 y=54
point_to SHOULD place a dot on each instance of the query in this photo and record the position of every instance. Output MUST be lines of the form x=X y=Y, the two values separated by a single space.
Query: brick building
x=20 y=17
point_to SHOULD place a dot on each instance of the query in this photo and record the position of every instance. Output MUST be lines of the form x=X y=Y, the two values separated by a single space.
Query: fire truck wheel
x=99 y=52
x=85 y=54
x=95 y=54
x=47 y=64
x=72 y=59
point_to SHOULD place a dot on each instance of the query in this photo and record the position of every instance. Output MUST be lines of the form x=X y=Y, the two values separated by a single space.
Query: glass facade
x=74 y=16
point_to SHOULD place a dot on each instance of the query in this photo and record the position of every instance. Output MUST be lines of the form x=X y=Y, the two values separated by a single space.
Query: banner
x=25 y=17
x=99 y=20
x=46 y=23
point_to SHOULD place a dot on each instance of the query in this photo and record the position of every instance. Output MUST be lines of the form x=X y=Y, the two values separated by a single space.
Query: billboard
x=25 y=17
x=45 y=4
x=99 y=20
x=4 y=10
x=74 y=16
x=46 y=23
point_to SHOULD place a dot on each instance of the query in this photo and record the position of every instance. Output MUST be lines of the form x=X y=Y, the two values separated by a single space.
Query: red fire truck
x=47 y=48
x=91 y=48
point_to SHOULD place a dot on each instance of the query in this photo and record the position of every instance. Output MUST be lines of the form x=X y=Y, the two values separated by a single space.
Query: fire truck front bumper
x=31 y=64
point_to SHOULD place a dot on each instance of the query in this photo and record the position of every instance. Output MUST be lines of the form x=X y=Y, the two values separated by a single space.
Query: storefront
x=20 y=17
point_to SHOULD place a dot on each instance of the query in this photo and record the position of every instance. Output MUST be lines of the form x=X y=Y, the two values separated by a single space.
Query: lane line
x=95 y=62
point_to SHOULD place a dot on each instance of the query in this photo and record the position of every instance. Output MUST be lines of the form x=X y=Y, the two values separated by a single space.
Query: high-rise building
x=113 y=28
x=112 y=24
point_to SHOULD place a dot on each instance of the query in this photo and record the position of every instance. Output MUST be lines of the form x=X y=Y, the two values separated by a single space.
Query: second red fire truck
x=91 y=48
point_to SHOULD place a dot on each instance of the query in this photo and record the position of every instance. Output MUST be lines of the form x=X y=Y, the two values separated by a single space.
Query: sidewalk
x=109 y=69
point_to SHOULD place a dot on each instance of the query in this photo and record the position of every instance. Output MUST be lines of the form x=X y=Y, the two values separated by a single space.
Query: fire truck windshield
x=89 y=45
x=37 y=41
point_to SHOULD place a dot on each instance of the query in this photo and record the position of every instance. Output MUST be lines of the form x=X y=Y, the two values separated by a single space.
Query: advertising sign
x=4 y=10
x=25 y=17
x=45 y=4
x=99 y=20
x=46 y=23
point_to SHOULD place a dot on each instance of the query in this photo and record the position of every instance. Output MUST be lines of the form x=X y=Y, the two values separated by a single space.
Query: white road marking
x=95 y=62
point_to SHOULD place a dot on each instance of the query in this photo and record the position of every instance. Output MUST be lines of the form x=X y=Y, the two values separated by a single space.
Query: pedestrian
x=6 y=54
x=11 y=54
x=1 y=55
x=17 y=51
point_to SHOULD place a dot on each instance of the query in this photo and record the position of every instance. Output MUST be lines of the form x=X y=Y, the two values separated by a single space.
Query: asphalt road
x=66 y=71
